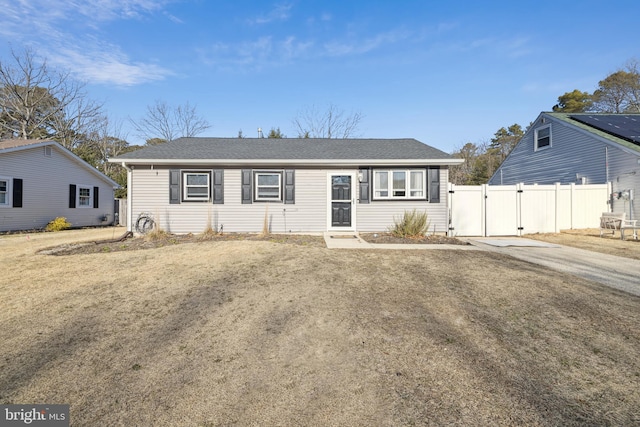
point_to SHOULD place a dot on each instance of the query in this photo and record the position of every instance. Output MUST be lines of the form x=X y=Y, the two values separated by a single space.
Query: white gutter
x=296 y=162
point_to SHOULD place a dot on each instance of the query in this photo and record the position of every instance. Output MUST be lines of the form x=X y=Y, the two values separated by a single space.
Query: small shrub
x=413 y=224
x=58 y=224
x=156 y=234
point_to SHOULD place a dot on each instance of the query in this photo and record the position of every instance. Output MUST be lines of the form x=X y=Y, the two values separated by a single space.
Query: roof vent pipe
x=260 y=133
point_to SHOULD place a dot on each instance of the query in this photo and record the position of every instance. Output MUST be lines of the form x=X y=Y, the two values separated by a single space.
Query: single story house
x=580 y=148
x=41 y=180
x=295 y=185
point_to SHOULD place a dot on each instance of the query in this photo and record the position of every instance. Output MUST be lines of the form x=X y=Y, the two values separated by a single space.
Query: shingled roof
x=288 y=150
x=11 y=144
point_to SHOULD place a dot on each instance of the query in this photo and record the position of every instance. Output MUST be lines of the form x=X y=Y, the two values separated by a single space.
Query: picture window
x=399 y=184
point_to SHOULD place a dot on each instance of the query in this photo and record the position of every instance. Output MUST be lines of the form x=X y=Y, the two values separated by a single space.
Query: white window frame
x=79 y=197
x=186 y=197
x=394 y=193
x=257 y=187
x=537 y=138
x=7 y=193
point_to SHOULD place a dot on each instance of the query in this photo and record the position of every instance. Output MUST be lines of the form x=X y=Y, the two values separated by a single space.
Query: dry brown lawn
x=264 y=333
x=590 y=239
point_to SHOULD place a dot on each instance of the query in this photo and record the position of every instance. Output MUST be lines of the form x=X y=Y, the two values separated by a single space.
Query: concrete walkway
x=616 y=272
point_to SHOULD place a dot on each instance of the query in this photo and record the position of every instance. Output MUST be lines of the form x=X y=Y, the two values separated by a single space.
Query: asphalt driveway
x=613 y=271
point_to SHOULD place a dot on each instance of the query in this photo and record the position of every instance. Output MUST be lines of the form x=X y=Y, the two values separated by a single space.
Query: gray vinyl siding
x=379 y=216
x=624 y=174
x=574 y=153
x=308 y=214
x=45 y=182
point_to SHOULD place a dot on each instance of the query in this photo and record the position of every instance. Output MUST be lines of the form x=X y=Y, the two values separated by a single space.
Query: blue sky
x=445 y=73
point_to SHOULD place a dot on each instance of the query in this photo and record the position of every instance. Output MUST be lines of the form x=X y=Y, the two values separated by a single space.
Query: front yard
x=242 y=332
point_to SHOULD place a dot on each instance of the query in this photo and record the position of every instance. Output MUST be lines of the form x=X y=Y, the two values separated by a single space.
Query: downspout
x=129 y=193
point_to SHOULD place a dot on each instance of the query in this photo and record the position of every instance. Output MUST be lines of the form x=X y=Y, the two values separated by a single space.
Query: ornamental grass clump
x=58 y=224
x=412 y=224
x=209 y=231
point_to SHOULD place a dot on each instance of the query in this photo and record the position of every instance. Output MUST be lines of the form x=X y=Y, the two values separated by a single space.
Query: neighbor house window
x=84 y=197
x=268 y=186
x=399 y=184
x=4 y=192
x=543 y=137
x=196 y=186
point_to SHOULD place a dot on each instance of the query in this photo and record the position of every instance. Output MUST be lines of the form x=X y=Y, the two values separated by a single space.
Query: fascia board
x=293 y=162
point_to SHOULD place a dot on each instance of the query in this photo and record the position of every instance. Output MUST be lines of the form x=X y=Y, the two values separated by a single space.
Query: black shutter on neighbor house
x=246 y=186
x=72 y=196
x=364 y=178
x=289 y=186
x=96 y=197
x=218 y=186
x=433 y=182
x=174 y=186
x=17 y=193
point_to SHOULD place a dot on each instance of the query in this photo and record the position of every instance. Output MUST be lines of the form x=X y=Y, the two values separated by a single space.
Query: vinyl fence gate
x=514 y=210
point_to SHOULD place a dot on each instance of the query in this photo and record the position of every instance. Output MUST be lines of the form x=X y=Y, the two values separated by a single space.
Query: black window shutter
x=96 y=197
x=364 y=185
x=17 y=193
x=174 y=186
x=290 y=186
x=218 y=186
x=246 y=186
x=434 y=184
x=72 y=196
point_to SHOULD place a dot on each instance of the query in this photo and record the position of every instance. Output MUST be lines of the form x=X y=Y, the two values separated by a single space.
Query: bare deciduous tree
x=331 y=123
x=168 y=123
x=76 y=121
x=36 y=101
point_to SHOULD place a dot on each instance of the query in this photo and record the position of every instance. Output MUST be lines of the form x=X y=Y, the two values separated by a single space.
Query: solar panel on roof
x=623 y=126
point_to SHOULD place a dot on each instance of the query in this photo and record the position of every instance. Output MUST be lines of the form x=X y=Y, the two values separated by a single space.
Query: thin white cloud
x=107 y=66
x=358 y=47
x=267 y=51
x=85 y=56
x=281 y=12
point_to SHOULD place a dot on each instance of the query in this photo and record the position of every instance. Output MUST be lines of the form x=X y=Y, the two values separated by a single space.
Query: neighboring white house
x=298 y=185
x=580 y=148
x=41 y=180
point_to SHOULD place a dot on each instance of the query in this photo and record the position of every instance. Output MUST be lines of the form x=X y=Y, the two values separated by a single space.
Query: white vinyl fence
x=514 y=210
x=121 y=210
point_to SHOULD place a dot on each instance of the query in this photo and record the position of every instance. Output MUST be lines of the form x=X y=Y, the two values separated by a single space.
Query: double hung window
x=84 y=197
x=268 y=186
x=196 y=186
x=4 y=192
x=542 y=137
